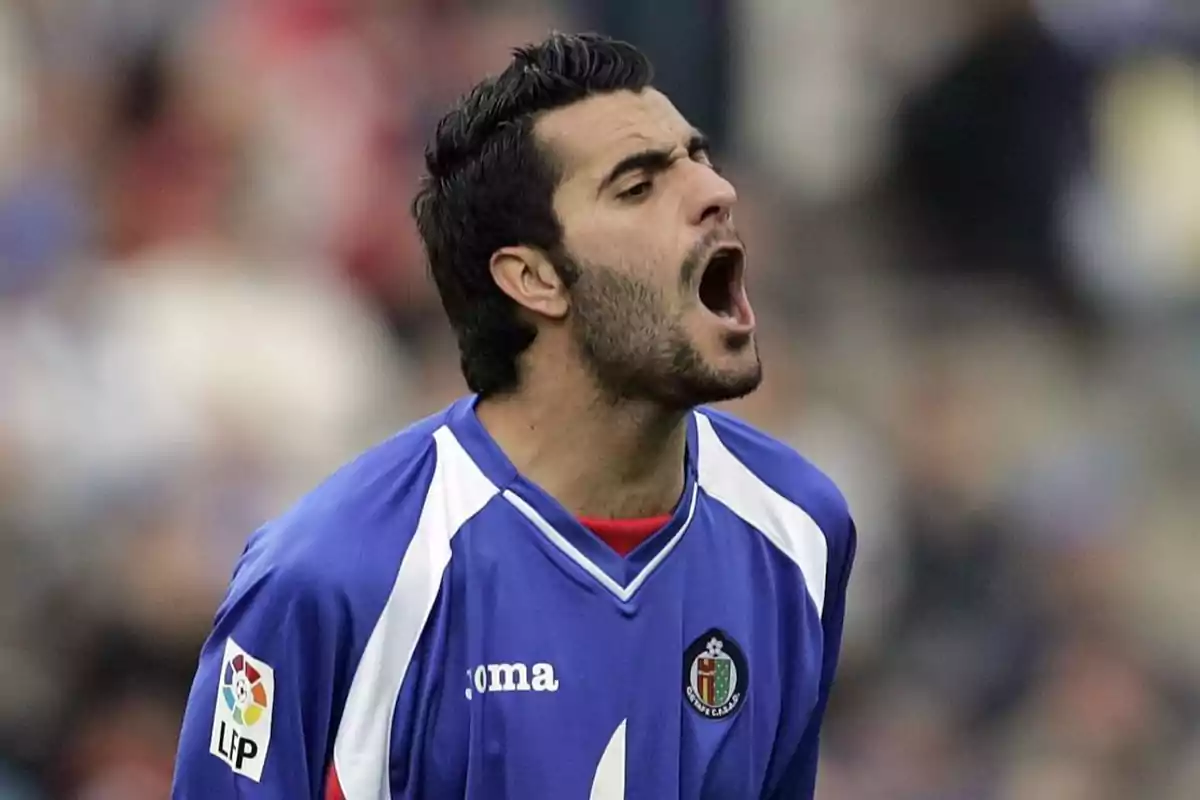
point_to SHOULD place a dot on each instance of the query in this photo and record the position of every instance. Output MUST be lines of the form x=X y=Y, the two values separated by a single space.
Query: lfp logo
x=243 y=690
x=242 y=720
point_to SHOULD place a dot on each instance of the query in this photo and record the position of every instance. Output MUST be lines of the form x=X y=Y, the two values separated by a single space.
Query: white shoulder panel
x=788 y=526
x=361 y=752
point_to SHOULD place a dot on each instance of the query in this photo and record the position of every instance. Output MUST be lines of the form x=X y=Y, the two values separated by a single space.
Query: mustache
x=697 y=257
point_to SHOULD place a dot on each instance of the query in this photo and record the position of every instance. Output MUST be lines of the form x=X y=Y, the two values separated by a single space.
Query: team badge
x=715 y=675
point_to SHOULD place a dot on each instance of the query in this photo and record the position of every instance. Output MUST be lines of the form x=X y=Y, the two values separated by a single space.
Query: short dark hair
x=489 y=185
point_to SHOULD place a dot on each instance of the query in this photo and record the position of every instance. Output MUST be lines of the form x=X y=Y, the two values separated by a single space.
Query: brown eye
x=639 y=190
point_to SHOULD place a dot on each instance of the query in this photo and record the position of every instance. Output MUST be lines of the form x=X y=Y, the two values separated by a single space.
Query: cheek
x=628 y=242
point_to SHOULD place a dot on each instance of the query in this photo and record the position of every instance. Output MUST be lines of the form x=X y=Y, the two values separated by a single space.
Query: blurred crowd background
x=975 y=245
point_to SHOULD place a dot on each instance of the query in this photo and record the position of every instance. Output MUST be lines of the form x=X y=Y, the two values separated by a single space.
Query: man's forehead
x=595 y=133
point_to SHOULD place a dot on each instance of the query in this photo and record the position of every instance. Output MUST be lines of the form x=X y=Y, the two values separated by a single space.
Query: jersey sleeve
x=800 y=776
x=260 y=715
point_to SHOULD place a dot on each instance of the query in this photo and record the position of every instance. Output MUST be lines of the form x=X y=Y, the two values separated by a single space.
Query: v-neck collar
x=622 y=576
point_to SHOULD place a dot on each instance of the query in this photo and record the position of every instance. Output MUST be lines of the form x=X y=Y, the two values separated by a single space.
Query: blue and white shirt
x=430 y=624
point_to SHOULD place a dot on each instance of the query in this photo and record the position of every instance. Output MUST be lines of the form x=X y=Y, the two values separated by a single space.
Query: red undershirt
x=624 y=535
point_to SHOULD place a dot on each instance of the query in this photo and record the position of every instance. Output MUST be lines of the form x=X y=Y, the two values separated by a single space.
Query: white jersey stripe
x=727 y=480
x=361 y=752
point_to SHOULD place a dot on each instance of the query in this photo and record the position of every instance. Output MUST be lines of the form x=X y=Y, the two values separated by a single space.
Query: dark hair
x=490 y=185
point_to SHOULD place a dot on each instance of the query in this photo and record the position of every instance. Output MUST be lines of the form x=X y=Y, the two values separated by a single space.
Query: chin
x=738 y=358
x=719 y=382
x=740 y=384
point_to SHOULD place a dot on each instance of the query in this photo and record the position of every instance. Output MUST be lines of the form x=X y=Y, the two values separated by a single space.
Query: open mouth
x=722 y=287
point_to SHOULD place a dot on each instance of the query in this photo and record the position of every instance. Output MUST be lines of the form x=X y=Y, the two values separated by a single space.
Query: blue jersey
x=430 y=624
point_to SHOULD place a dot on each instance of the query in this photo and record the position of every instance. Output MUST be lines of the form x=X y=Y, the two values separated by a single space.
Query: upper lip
x=732 y=247
x=729 y=246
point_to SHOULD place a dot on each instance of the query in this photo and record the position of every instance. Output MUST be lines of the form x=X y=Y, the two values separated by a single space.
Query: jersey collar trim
x=622 y=576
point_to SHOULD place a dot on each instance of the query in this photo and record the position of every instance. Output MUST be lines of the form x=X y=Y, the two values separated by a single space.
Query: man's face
x=659 y=309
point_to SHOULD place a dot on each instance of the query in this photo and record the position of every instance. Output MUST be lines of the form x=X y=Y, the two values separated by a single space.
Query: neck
x=595 y=457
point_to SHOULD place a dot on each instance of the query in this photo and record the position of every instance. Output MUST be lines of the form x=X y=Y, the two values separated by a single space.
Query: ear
x=527 y=276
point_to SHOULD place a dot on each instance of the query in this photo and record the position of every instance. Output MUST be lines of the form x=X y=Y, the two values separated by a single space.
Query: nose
x=712 y=195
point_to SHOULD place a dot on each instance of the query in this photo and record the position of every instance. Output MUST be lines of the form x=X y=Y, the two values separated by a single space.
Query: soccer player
x=578 y=582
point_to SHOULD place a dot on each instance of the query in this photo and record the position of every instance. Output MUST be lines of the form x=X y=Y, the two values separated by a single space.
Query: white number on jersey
x=609 y=783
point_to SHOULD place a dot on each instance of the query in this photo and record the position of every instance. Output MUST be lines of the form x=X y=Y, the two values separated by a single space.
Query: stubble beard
x=636 y=351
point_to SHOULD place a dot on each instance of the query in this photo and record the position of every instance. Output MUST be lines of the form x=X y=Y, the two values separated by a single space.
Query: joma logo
x=511 y=678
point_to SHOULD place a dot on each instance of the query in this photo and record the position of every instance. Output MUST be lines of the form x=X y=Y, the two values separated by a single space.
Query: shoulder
x=778 y=467
x=347 y=536
x=767 y=483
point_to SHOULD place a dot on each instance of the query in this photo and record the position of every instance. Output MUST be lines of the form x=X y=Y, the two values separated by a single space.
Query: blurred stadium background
x=975 y=235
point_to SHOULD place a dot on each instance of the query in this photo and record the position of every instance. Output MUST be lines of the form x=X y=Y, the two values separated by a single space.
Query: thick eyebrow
x=698 y=143
x=651 y=160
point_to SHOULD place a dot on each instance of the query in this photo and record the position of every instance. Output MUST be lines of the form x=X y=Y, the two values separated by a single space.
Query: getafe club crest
x=715 y=675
